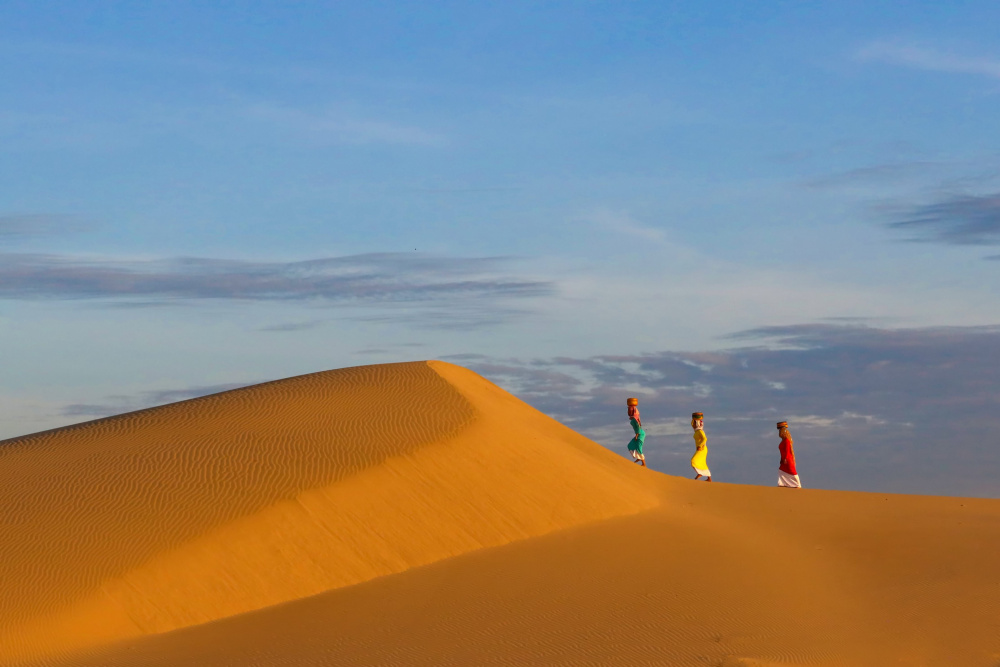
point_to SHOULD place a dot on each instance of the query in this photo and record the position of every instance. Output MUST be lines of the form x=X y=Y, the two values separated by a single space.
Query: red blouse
x=788 y=456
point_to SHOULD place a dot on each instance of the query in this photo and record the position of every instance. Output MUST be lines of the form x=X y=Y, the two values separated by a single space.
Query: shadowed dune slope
x=196 y=511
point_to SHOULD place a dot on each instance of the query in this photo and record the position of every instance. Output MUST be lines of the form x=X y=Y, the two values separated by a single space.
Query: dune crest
x=200 y=510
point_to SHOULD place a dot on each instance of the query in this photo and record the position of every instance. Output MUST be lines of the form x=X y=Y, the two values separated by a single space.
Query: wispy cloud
x=115 y=405
x=879 y=173
x=332 y=125
x=622 y=223
x=955 y=220
x=359 y=279
x=293 y=326
x=26 y=225
x=918 y=57
x=471 y=314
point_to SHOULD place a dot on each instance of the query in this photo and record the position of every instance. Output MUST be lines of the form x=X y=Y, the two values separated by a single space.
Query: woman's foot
x=709 y=479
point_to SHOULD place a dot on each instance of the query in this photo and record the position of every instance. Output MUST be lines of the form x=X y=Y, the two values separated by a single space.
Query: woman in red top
x=788 y=476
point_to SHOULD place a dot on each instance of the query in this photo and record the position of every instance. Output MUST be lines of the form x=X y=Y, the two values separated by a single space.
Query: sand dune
x=199 y=510
x=716 y=575
x=417 y=514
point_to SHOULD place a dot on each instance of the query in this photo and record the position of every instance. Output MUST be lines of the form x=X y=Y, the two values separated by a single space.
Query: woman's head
x=697 y=420
x=633 y=407
x=783 y=429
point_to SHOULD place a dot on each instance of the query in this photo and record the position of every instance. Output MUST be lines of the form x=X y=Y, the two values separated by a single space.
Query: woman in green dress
x=636 y=443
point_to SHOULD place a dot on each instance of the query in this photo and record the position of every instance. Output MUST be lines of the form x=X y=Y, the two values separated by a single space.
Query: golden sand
x=417 y=514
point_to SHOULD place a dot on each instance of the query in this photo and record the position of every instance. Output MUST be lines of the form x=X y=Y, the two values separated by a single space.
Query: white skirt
x=705 y=472
x=791 y=481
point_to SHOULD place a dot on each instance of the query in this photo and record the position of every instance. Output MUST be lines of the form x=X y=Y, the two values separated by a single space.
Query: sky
x=788 y=211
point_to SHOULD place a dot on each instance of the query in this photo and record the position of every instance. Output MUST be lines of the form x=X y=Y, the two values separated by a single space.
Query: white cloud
x=620 y=222
x=334 y=125
x=928 y=59
x=846 y=419
x=810 y=420
x=868 y=419
x=700 y=366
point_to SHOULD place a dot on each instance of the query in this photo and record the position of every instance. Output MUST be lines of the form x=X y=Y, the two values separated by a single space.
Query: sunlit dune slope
x=196 y=511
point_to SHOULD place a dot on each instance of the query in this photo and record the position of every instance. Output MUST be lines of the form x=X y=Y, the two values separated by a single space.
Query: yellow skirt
x=700 y=461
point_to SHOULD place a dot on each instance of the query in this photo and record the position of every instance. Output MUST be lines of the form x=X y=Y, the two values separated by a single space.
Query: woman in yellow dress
x=700 y=459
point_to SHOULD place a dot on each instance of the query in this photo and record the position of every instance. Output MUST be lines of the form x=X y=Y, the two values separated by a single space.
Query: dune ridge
x=196 y=511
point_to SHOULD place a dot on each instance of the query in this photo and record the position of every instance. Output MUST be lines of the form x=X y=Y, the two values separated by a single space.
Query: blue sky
x=199 y=195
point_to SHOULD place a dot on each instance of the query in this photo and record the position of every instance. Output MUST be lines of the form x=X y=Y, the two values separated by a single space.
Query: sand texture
x=418 y=514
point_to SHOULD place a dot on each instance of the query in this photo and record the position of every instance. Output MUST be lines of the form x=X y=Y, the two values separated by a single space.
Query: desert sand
x=418 y=514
